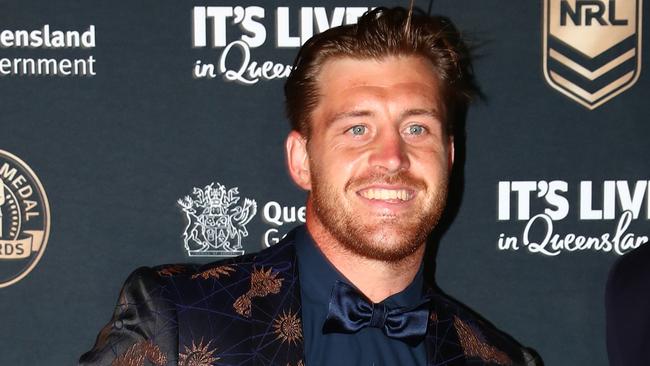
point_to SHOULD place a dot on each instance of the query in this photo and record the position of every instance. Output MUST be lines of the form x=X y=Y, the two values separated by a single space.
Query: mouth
x=393 y=195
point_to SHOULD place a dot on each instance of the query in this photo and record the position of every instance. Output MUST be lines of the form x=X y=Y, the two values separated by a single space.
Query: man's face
x=378 y=155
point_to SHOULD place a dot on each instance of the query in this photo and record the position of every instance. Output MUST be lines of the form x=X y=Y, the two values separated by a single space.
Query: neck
x=376 y=279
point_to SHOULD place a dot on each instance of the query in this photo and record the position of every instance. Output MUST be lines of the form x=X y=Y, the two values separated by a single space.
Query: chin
x=385 y=244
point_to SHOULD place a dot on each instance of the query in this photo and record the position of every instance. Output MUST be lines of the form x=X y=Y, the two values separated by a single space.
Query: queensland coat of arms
x=216 y=223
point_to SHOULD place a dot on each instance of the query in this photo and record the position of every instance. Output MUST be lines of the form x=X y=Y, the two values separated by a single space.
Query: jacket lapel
x=276 y=310
x=442 y=342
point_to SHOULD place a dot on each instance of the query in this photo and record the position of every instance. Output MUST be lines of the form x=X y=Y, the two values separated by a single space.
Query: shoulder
x=146 y=319
x=479 y=338
x=180 y=280
x=626 y=293
x=138 y=328
x=279 y=257
x=626 y=304
x=630 y=274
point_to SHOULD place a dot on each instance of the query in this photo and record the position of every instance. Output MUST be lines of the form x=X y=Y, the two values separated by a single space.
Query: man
x=372 y=108
x=627 y=302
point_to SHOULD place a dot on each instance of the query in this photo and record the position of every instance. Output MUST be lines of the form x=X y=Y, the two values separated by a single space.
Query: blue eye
x=416 y=130
x=358 y=130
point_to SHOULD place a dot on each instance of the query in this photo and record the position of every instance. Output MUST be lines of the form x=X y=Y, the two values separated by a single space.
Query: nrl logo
x=592 y=48
x=215 y=223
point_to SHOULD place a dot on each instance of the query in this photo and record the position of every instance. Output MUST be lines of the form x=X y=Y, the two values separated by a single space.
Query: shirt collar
x=318 y=276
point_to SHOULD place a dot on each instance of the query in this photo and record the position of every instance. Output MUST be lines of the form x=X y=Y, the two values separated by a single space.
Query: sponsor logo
x=24 y=219
x=277 y=215
x=592 y=48
x=47 y=38
x=216 y=223
x=238 y=30
x=543 y=205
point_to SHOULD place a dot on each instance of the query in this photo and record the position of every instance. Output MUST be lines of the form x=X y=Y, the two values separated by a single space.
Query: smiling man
x=372 y=108
x=376 y=161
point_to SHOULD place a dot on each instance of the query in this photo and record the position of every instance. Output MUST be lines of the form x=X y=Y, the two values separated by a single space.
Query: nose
x=389 y=152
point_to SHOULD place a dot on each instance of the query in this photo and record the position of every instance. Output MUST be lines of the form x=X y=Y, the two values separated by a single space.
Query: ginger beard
x=387 y=238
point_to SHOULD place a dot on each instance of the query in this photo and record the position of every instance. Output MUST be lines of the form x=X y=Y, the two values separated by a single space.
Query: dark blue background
x=115 y=151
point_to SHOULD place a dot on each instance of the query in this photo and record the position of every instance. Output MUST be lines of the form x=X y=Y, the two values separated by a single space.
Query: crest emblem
x=216 y=224
x=592 y=48
x=24 y=219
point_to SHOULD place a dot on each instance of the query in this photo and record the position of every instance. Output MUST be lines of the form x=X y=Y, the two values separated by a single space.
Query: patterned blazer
x=246 y=311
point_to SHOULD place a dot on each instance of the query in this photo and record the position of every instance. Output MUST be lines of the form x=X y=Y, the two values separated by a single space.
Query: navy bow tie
x=349 y=312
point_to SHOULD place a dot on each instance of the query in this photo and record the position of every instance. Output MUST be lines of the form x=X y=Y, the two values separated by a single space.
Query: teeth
x=386 y=194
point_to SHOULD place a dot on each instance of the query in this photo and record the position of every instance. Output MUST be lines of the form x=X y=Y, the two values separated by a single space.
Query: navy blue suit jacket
x=627 y=300
x=247 y=311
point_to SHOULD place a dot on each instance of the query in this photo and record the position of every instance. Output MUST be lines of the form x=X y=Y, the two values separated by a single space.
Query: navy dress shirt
x=369 y=346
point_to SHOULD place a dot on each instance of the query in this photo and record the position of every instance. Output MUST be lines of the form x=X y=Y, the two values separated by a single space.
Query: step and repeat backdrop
x=148 y=132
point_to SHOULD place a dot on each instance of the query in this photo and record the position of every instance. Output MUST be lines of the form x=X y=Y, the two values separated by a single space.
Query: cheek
x=431 y=165
x=326 y=167
x=344 y=159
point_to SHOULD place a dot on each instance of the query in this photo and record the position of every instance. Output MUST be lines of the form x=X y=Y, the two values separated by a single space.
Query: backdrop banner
x=138 y=133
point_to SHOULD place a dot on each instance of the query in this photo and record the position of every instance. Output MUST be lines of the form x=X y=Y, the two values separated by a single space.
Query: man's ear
x=298 y=159
x=451 y=153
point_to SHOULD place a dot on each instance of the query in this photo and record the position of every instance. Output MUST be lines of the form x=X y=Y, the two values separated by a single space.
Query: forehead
x=396 y=79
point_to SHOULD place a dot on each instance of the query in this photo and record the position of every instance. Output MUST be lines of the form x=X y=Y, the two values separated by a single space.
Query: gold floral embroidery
x=215 y=272
x=197 y=355
x=171 y=270
x=262 y=283
x=287 y=328
x=243 y=305
x=473 y=346
x=140 y=352
x=300 y=363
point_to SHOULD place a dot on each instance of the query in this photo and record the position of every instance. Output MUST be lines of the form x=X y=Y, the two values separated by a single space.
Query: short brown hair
x=380 y=33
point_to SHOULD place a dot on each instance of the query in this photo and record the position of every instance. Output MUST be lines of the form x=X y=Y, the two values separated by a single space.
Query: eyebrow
x=432 y=113
x=349 y=114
